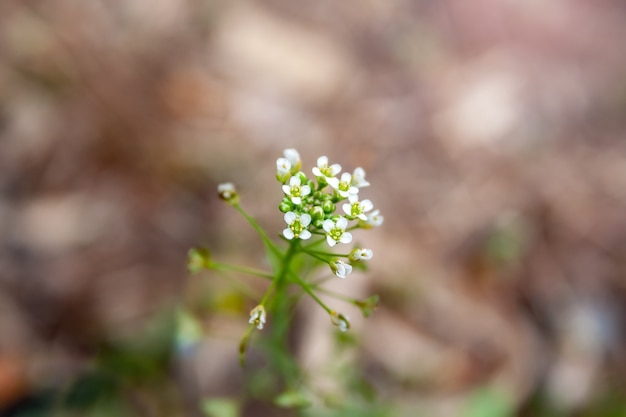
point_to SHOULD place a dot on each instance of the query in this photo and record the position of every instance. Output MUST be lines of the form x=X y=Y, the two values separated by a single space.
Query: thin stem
x=335 y=295
x=305 y=286
x=244 y=269
x=268 y=242
x=315 y=243
x=324 y=253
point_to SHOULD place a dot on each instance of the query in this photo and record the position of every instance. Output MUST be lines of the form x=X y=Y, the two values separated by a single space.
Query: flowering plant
x=314 y=226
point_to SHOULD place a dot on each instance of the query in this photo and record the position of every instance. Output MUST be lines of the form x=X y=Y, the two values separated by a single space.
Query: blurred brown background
x=493 y=134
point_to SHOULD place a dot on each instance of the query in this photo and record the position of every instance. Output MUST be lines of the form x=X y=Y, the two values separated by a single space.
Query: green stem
x=335 y=295
x=306 y=287
x=244 y=269
x=266 y=240
x=281 y=357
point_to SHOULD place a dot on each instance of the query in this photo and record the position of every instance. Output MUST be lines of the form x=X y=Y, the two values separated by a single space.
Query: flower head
x=336 y=231
x=228 y=192
x=358 y=178
x=356 y=208
x=344 y=186
x=257 y=316
x=374 y=219
x=294 y=159
x=328 y=173
x=340 y=320
x=340 y=268
x=361 y=254
x=298 y=226
x=295 y=190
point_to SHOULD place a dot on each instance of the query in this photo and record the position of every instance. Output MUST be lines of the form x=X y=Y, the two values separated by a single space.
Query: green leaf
x=220 y=407
x=292 y=399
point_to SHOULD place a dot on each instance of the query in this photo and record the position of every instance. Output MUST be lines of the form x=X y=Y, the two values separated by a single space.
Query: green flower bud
x=284 y=206
x=328 y=206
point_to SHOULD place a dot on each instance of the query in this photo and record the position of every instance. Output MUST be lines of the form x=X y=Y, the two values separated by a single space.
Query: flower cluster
x=327 y=204
x=310 y=205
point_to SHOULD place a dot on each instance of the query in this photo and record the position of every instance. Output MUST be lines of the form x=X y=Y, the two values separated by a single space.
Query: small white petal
x=283 y=164
x=328 y=225
x=347 y=208
x=316 y=171
x=296 y=200
x=342 y=223
x=346 y=237
x=333 y=182
x=288 y=233
x=305 y=219
x=286 y=189
x=290 y=217
x=366 y=205
x=305 y=234
x=353 y=199
x=362 y=217
x=305 y=190
x=346 y=177
x=348 y=269
x=335 y=169
x=353 y=190
x=294 y=181
x=330 y=241
x=322 y=160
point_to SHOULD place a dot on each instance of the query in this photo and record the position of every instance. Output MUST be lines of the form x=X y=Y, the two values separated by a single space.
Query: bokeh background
x=492 y=132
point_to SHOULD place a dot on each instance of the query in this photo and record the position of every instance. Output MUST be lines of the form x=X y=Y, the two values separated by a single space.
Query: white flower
x=227 y=192
x=294 y=159
x=327 y=172
x=340 y=320
x=336 y=231
x=344 y=187
x=257 y=316
x=297 y=226
x=295 y=190
x=374 y=219
x=358 y=178
x=361 y=254
x=340 y=268
x=283 y=169
x=357 y=208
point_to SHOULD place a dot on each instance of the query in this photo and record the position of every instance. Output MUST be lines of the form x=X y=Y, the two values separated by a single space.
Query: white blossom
x=358 y=178
x=361 y=254
x=295 y=190
x=374 y=219
x=340 y=268
x=257 y=316
x=344 y=186
x=283 y=169
x=298 y=226
x=357 y=208
x=294 y=159
x=336 y=231
x=340 y=320
x=327 y=172
x=227 y=192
